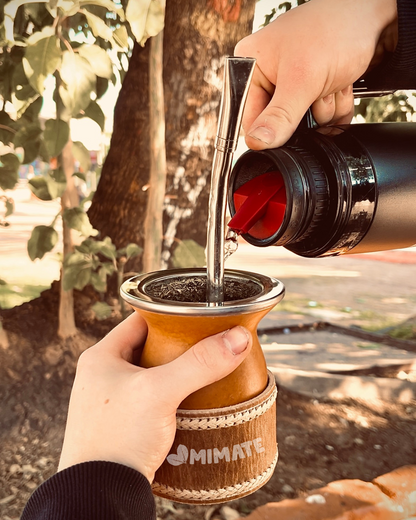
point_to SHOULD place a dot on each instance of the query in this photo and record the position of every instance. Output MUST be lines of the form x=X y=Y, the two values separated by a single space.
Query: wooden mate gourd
x=225 y=446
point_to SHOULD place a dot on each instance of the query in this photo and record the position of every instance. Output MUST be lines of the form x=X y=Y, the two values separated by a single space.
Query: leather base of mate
x=221 y=454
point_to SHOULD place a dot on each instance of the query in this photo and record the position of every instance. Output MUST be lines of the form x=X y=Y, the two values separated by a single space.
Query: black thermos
x=330 y=191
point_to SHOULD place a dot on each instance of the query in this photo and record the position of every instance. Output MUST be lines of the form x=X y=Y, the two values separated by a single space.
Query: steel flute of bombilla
x=237 y=78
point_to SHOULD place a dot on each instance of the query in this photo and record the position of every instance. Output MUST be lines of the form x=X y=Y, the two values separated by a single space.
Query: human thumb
x=278 y=121
x=208 y=361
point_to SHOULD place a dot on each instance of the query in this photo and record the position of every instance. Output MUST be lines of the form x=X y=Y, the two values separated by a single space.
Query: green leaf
x=79 y=82
x=77 y=219
x=121 y=36
x=106 y=269
x=42 y=240
x=80 y=175
x=101 y=87
x=83 y=279
x=110 y=5
x=95 y=262
x=105 y=247
x=77 y=258
x=84 y=247
x=77 y=270
x=82 y=155
x=38 y=14
x=188 y=254
x=31 y=113
x=9 y=203
x=87 y=199
x=99 y=60
x=21 y=87
x=56 y=183
x=7 y=68
x=67 y=7
x=31 y=149
x=133 y=250
x=23 y=104
x=287 y=6
x=7 y=128
x=55 y=135
x=98 y=27
x=268 y=17
x=102 y=310
x=76 y=277
x=10 y=10
x=98 y=284
x=28 y=138
x=108 y=251
x=43 y=152
x=9 y=171
x=146 y=18
x=42 y=57
x=27 y=132
x=22 y=97
x=39 y=188
x=94 y=112
x=58 y=175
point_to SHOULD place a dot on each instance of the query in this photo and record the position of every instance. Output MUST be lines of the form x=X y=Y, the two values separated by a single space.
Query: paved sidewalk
x=15 y=265
x=377 y=288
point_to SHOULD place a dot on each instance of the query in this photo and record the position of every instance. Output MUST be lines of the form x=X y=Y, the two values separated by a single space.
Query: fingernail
x=236 y=340
x=263 y=134
x=328 y=99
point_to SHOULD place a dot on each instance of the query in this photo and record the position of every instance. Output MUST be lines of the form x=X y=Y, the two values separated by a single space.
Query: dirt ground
x=319 y=441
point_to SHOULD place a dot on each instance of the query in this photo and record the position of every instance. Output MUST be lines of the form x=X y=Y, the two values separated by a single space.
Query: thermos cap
x=260 y=206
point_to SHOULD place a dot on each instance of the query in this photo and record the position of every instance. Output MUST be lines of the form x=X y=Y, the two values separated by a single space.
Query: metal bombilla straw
x=237 y=78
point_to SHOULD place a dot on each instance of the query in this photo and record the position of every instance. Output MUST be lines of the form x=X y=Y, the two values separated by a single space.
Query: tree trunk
x=69 y=199
x=196 y=38
x=153 y=224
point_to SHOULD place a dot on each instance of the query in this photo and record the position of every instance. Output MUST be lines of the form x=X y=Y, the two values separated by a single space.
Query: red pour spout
x=260 y=206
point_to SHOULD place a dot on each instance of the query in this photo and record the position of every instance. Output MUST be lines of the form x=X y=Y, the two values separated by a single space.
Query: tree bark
x=197 y=36
x=69 y=199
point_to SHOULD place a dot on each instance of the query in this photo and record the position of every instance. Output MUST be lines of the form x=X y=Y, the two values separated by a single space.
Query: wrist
x=388 y=30
x=385 y=11
x=382 y=15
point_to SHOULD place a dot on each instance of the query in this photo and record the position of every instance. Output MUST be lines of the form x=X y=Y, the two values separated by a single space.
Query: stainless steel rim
x=133 y=291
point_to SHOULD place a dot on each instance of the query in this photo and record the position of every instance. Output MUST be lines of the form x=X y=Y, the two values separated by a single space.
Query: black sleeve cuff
x=398 y=69
x=93 y=490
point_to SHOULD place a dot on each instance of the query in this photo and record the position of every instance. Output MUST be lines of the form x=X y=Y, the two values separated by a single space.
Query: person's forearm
x=94 y=491
x=394 y=66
